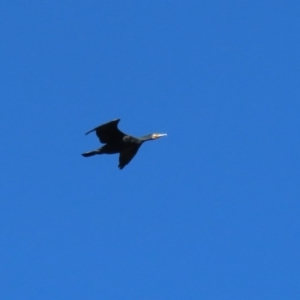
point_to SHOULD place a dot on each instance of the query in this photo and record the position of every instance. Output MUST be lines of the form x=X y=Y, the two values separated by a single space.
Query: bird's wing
x=109 y=132
x=127 y=155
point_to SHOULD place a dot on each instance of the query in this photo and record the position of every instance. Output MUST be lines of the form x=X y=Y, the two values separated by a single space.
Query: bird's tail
x=90 y=153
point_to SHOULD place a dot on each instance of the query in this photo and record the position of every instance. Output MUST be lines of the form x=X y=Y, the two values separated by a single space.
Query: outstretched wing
x=127 y=155
x=109 y=132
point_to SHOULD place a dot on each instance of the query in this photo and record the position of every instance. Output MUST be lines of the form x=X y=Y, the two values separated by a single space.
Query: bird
x=118 y=142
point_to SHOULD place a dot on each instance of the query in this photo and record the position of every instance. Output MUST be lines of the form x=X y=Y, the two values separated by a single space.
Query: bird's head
x=155 y=136
x=151 y=137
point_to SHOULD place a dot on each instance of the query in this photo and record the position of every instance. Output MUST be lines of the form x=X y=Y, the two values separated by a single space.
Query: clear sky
x=209 y=212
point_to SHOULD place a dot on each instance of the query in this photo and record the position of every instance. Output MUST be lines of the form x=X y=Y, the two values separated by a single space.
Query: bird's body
x=118 y=142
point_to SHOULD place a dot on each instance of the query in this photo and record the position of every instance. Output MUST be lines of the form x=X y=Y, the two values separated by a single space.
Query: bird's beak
x=160 y=135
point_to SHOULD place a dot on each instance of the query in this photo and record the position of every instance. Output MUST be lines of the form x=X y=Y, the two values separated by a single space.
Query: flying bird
x=118 y=142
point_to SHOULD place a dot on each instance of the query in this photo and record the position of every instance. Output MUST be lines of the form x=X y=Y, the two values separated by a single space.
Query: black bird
x=118 y=142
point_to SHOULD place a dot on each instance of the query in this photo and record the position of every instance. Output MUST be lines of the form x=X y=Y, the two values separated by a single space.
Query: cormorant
x=118 y=142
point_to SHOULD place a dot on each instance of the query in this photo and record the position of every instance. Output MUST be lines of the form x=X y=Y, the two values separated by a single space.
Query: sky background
x=209 y=212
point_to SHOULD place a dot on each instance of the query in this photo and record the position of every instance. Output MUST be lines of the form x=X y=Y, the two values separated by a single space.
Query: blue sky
x=209 y=212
